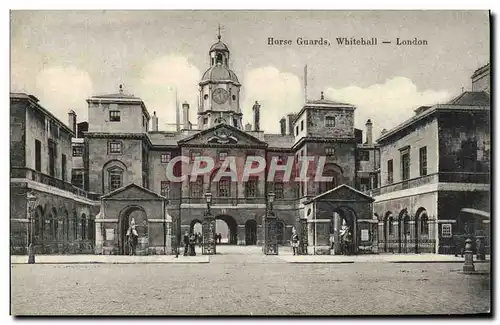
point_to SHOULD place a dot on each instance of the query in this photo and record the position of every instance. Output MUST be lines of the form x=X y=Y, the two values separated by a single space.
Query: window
x=364 y=155
x=165 y=188
x=364 y=184
x=423 y=161
x=63 y=167
x=330 y=121
x=222 y=156
x=115 y=147
x=52 y=148
x=390 y=172
x=77 y=179
x=205 y=120
x=326 y=186
x=115 y=179
x=84 y=227
x=197 y=188
x=424 y=225
x=235 y=122
x=114 y=116
x=405 y=165
x=278 y=190
x=38 y=155
x=297 y=130
x=251 y=188
x=391 y=225
x=77 y=151
x=280 y=160
x=446 y=230
x=194 y=155
x=330 y=152
x=224 y=188
x=302 y=125
x=165 y=157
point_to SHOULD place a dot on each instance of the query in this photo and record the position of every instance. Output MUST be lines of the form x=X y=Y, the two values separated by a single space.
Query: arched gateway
x=148 y=211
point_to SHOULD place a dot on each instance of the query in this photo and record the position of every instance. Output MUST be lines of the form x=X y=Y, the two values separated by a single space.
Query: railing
x=51 y=181
x=442 y=177
x=224 y=200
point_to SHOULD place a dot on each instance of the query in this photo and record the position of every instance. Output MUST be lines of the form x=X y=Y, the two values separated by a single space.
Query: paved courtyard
x=242 y=281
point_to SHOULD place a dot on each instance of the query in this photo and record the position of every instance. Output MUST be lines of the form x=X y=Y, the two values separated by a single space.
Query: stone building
x=434 y=168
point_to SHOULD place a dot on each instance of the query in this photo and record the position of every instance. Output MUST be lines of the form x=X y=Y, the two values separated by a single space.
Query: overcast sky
x=64 y=57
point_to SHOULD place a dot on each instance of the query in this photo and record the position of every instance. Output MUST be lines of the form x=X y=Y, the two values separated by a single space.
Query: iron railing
x=42 y=178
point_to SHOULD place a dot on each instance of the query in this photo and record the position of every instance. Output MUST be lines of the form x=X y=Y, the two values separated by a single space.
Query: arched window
x=219 y=58
x=424 y=224
x=75 y=225
x=390 y=220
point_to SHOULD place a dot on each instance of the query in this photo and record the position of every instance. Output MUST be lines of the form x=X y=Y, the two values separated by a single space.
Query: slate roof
x=471 y=98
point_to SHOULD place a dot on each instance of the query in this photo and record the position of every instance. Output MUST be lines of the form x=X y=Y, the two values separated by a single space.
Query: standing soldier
x=186 y=243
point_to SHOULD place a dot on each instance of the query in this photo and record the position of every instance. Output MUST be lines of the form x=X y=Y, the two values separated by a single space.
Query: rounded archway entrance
x=139 y=216
x=344 y=230
x=227 y=228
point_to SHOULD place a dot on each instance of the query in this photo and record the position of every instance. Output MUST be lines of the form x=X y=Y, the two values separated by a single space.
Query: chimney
x=185 y=115
x=369 y=129
x=290 y=116
x=72 y=121
x=154 y=122
x=283 y=126
x=248 y=127
x=256 y=116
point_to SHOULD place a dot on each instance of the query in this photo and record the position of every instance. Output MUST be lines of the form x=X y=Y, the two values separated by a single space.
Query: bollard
x=31 y=254
x=469 y=257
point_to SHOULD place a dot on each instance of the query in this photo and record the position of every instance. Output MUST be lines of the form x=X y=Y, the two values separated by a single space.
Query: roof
x=369 y=198
x=219 y=46
x=219 y=72
x=325 y=102
x=36 y=105
x=279 y=141
x=471 y=98
x=467 y=101
x=164 y=138
x=131 y=185
x=481 y=70
x=117 y=95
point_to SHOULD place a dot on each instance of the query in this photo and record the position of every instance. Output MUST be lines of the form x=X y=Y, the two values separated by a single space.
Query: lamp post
x=208 y=228
x=271 y=240
x=31 y=198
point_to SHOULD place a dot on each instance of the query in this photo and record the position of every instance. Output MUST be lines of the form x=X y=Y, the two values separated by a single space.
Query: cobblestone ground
x=248 y=283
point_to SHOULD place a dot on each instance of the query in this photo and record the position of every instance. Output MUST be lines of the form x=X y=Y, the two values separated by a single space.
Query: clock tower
x=219 y=91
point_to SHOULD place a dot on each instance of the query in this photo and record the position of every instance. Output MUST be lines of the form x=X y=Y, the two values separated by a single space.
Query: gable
x=224 y=135
x=132 y=191
x=343 y=193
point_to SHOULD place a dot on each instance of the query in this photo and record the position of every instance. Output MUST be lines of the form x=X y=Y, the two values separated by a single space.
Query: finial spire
x=322 y=96
x=121 y=89
x=218 y=35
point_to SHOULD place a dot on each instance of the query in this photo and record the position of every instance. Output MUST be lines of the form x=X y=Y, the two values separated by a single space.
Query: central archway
x=141 y=222
x=231 y=237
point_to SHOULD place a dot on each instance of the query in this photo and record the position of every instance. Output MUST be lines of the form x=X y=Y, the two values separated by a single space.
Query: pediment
x=343 y=193
x=222 y=134
x=132 y=191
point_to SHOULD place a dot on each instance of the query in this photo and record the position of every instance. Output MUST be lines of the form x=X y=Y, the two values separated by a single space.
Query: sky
x=64 y=57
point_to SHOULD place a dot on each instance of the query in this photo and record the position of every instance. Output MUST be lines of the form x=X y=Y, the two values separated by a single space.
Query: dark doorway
x=251 y=232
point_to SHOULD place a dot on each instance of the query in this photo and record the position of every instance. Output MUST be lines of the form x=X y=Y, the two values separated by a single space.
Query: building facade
x=433 y=168
x=92 y=178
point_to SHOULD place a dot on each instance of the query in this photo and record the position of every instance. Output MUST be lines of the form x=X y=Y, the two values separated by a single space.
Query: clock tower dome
x=219 y=91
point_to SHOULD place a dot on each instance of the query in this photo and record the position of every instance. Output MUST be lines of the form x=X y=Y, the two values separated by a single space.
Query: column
x=336 y=237
x=98 y=237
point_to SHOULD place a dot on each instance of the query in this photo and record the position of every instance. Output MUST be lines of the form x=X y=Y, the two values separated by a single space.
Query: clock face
x=220 y=96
